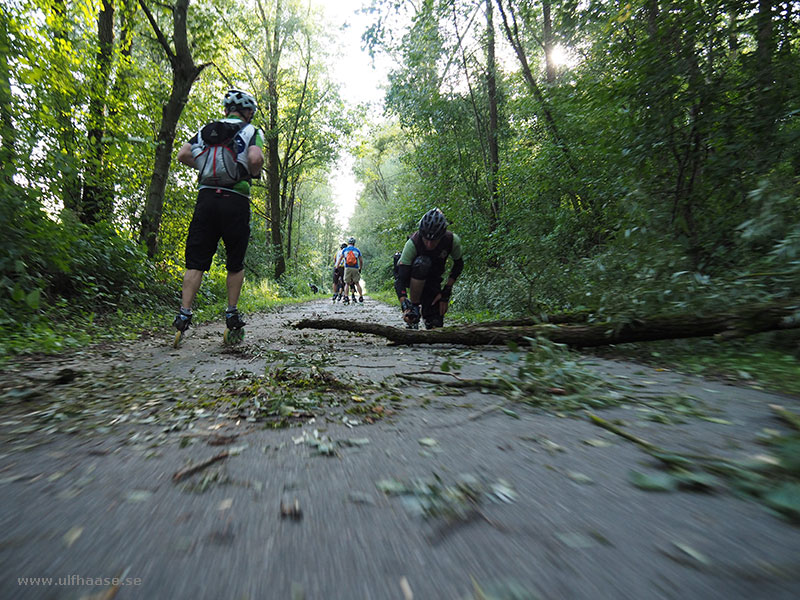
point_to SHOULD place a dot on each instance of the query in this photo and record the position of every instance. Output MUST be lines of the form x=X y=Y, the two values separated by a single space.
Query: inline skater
x=420 y=268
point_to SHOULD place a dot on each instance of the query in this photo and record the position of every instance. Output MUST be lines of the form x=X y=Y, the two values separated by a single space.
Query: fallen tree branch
x=556 y=319
x=191 y=470
x=737 y=322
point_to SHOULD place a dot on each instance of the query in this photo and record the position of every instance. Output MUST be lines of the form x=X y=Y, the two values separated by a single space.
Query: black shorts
x=338 y=274
x=218 y=214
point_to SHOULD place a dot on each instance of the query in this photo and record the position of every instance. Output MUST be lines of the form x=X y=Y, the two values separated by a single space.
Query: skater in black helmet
x=420 y=269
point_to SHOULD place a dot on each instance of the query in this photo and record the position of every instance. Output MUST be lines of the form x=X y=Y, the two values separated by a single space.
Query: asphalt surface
x=510 y=502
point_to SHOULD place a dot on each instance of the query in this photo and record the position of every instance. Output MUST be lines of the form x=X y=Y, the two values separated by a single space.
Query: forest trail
x=381 y=488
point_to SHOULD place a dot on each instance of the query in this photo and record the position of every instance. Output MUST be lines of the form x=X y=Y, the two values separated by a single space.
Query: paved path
x=91 y=444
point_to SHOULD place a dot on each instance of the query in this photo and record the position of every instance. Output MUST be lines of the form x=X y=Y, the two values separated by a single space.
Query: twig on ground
x=432 y=372
x=711 y=462
x=622 y=433
x=474 y=416
x=191 y=470
x=458 y=383
x=451 y=525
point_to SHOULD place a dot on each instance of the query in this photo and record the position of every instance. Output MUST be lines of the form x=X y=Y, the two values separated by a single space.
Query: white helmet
x=237 y=99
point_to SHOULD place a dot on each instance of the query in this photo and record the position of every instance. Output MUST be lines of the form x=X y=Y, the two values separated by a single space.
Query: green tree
x=184 y=74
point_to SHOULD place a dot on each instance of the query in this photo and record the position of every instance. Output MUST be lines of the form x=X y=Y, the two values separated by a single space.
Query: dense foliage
x=647 y=152
x=97 y=96
x=628 y=157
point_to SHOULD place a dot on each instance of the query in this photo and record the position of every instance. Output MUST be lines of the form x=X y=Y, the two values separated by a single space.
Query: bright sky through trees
x=362 y=81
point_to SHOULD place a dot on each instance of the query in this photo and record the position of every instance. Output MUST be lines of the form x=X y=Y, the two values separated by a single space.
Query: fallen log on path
x=737 y=322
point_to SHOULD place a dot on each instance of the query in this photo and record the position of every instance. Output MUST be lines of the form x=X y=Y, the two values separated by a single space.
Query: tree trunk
x=299 y=230
x=547 y=43
x=738 y=322
x=289 y=218
x=766 y=103
x=273 y=151
x=63 y=98
x=184 y=74
x=120 y=89
x=513 y=37
x=491 y=88
x=8 y=139
x=95 y=205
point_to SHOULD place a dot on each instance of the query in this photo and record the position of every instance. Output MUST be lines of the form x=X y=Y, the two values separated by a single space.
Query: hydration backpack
x=351 y=259
x=217 y=154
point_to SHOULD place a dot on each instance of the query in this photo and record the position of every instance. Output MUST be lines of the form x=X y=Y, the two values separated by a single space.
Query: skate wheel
x=233 y=336
x=177 y=341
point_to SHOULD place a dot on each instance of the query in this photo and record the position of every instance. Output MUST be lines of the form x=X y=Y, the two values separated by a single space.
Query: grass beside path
x=765 y=361
x=63 y=328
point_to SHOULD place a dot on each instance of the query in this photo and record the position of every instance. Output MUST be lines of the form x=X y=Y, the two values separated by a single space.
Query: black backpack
x=395 y=258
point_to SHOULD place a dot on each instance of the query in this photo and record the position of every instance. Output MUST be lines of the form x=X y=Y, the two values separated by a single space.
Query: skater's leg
x=234 y=282
x=192 y=279
x=415 y=290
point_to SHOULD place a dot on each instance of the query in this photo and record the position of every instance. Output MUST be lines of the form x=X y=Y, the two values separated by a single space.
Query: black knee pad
x=434 y=322
x=421 y=267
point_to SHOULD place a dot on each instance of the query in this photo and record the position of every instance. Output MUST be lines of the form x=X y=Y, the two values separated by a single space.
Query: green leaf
x=33 y=299
x=716 y=420
x=786 y=500
x=392 y=487
x=690 y=553
x=696 y=481
x=576 y=540
x=597 y=443
x=672 y=459
x=579 y=477
x=656 y=482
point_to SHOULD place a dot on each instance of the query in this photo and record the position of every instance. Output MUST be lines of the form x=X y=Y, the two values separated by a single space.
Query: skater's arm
x=458 y=262
x=255 y=158
x=443 y=298
x=403 y=278
x=185 y=155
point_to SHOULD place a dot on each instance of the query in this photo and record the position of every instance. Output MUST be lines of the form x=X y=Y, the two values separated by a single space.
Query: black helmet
x=351 y=241
x=433 y=224
x=343 y=246
x=237 y=99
